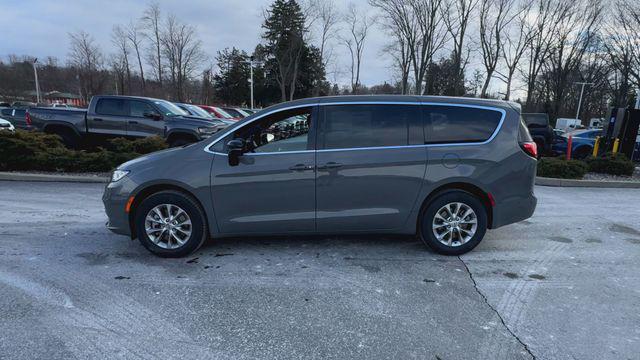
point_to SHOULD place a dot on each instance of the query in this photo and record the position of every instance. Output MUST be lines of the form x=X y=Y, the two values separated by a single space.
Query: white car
x=6 y=126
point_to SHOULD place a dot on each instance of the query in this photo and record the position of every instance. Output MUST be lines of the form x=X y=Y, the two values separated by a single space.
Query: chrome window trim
x=495 y=132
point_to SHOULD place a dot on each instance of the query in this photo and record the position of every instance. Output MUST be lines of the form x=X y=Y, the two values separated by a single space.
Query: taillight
x=530 y=148
x=27 y=118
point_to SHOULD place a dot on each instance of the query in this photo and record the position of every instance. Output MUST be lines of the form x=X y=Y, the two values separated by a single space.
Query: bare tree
x=327 y=18
x=183 y=52
x=121 y=42
x=119 y=70
x=544 y=17
x=134 y=35
x=400 y=22
x=87 y=58
x=623 y=48
x=152 y=20
x=495 y=16
x=456 y=15
x=572 y=39
x=358 y=27
x=327 y=15
x=516 y=42
x=432 y=34
x=399 y=52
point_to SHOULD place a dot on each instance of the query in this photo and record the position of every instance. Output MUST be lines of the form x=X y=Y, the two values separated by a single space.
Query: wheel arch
x=50 y=128
x=484 y=196
x=146 y=191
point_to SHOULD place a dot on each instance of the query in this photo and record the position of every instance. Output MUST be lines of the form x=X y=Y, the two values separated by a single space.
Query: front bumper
x=115 y=200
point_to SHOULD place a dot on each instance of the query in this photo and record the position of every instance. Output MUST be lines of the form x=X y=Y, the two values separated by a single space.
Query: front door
x=371 y=163
x=139 y=125
x=272 y=189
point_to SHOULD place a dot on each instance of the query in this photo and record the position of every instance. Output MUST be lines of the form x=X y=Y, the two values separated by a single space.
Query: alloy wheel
x=168 y=226
x=454 y=224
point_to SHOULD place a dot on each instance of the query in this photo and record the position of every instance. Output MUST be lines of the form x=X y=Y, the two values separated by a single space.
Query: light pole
x=581 y=93
x=35 y=72
x=252 y=62
x=251 y=79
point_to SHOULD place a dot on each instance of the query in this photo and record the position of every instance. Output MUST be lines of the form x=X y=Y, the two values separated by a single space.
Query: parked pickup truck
x=123 y=116
x=541 y=131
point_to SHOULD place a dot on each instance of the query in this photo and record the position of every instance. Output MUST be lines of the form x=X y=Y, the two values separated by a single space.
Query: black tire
x=199 y=232
x=69 y=138
x=429 y=212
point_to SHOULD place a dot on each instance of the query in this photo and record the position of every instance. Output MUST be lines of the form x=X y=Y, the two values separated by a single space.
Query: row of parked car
x=125 y=116
x=554 y=142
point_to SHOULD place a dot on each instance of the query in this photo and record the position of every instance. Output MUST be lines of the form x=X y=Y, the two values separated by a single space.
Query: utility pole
x=35 y=72
x=581 y=93
x=251 y=79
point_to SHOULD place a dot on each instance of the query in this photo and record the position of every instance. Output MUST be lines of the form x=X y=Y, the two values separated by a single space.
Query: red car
x=218 y=112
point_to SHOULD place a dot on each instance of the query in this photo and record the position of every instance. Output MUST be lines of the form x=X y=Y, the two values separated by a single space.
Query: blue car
x=582 y=143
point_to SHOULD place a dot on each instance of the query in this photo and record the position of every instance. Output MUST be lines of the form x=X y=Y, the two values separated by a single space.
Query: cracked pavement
x=563 y=285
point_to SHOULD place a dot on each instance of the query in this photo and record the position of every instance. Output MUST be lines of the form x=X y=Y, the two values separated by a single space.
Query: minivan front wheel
x=453 y=223
x=170 y=224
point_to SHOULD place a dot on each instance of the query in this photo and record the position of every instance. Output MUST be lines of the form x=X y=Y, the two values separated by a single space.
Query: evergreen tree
x=232 y=81
x=291 y=64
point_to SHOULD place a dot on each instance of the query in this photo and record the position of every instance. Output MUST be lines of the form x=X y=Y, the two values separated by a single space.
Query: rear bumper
x=513 y=210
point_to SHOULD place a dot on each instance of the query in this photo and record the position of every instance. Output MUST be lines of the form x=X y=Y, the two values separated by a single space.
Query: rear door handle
x=133 y=122
x=329 y=166
x=97 y=119
x=301 y=167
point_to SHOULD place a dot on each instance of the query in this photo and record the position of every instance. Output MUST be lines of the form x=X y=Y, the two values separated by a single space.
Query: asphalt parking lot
x=563 y=285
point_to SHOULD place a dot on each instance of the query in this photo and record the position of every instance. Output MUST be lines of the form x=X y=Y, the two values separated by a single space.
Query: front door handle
x=133 y=122
x=301 y=167
x=330 y=165
x=97 y=119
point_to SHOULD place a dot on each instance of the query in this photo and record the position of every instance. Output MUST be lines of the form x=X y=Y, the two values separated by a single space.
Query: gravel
x=606 y=177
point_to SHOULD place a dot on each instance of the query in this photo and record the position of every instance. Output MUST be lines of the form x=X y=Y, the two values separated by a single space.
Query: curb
x=544 y=181
x=18 y=176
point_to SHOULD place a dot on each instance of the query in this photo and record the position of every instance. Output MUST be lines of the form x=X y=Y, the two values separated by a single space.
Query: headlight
x=207 y=130
x=118 y=174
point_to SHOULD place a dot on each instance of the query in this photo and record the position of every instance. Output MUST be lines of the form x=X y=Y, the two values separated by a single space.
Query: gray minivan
x=443 y=168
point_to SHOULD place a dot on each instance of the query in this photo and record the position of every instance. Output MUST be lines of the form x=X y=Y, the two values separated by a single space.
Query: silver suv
x=445 y=169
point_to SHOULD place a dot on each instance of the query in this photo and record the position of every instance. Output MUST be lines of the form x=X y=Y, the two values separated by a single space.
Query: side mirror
x=236 y=149
x=152 y=115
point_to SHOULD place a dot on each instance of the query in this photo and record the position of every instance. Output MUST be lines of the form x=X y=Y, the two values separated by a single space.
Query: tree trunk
x=485 y=86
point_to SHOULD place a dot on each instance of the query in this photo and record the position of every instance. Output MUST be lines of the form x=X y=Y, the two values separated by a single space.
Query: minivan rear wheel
x=453 y=223
x=170 y=224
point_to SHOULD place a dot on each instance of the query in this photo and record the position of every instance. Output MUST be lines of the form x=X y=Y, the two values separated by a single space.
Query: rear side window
x=357 y=126
x=111 y=107
x=458 y=124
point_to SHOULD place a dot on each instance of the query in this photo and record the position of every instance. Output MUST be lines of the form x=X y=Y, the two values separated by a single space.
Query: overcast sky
x=40 y=28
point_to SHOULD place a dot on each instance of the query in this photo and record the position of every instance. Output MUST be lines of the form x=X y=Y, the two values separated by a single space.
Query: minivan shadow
x=326 y=242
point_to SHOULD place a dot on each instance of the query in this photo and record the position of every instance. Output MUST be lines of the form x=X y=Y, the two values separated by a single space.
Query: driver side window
x=280 y=132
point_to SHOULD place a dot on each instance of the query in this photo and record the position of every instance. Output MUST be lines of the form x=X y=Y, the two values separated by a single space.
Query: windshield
x=233 y=112
x=199 y=111
x=169 y=109
x=223 y=113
